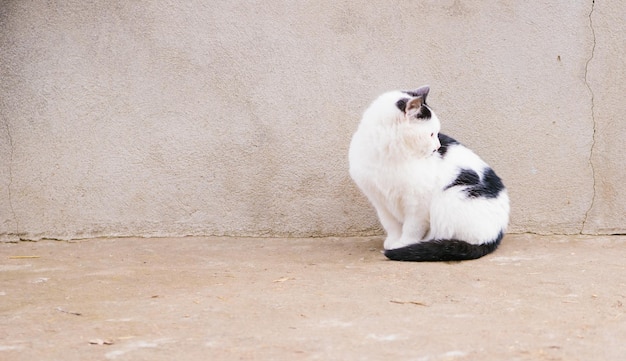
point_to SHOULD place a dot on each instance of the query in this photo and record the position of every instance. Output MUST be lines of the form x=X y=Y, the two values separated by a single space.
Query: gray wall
x=150 y=118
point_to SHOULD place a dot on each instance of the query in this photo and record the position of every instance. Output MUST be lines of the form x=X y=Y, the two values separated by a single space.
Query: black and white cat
x=436 y=199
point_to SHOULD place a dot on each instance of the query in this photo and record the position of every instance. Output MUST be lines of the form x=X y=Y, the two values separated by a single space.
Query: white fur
x=393 y=160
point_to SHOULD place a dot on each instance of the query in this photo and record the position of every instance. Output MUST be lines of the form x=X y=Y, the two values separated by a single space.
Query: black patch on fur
x=489 y=186
x=467 y=177
x=401 y=104
x=445 y=142
x=424 y=113
x=443 y=250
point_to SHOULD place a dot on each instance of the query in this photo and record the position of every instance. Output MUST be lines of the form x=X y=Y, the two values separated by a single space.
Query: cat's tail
x=442 y=250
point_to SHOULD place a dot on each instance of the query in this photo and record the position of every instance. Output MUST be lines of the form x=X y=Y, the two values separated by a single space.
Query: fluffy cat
x=436 y=199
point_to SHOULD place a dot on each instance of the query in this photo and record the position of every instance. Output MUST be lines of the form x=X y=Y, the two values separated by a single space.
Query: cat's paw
x=401 y=242
x=398 y=243
x=391 y=242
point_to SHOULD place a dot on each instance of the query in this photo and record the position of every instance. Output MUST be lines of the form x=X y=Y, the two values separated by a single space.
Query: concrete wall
x=151 y=118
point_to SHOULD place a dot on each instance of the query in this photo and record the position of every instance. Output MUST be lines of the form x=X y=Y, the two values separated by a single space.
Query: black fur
x=466 y=177
x=424 y=113
x=489 y=186
x=443 y=250
x=445 y=142
x=401 y=104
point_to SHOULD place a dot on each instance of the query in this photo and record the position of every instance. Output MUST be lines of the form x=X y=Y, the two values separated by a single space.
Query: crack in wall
x=593 y=119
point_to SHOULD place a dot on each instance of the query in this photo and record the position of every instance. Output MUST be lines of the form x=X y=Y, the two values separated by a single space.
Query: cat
x=436 y=199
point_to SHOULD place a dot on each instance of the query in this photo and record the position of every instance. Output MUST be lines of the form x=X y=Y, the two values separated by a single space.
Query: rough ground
x=535 y=298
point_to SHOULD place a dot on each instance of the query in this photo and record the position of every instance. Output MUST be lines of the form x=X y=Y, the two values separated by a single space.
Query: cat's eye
x=432 y=135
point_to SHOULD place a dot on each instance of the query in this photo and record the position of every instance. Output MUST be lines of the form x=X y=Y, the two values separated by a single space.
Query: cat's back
x=454 y=157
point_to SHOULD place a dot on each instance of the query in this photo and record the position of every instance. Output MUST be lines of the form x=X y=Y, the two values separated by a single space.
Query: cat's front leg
x=414 y=229
x=392 y=227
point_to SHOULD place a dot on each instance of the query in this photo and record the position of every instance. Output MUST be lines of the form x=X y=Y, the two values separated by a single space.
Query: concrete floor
x=535 y=298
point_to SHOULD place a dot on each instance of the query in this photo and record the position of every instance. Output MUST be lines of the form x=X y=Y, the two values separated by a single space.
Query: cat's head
x=408 y=116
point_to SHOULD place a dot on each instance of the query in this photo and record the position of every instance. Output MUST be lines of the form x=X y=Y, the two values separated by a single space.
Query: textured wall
x=234 y=117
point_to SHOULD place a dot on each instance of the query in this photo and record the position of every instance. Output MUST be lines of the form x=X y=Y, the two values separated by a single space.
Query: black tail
x=442 y=250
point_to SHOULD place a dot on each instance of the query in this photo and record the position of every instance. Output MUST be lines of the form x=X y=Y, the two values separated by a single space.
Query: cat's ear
x=415 y=109
x=420 y=92
x=414 y=104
